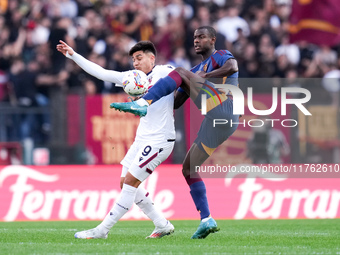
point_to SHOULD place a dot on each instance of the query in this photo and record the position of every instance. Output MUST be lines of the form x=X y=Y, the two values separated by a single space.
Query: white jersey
x=158 y=124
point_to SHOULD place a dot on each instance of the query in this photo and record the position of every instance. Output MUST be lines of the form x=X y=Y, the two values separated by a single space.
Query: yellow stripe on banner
x=304 y=2
x=208 y=150
x=3 y=6
x=313 y=24
x=211 y=104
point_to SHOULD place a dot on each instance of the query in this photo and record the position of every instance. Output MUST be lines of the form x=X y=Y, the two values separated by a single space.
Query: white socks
x=122 y=205
x=206 y=219
x=147 y=206
x=142 y=102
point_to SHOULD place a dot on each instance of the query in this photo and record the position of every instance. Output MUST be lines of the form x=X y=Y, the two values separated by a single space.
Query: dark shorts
x=209 y=137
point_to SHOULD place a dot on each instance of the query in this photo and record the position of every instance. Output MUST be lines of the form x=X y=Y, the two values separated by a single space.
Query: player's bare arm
x=230 y=67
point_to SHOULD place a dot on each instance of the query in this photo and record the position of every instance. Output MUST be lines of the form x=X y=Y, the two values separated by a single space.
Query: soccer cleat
x=131 y=107
x=90 y=234
x=205 y=228
x=164 y=231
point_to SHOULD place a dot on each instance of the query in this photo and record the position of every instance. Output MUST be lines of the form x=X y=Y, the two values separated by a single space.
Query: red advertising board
x=88 y=193
x=109 y=133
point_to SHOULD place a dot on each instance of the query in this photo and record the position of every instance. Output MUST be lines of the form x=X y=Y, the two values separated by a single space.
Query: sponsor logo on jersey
x=205 y=67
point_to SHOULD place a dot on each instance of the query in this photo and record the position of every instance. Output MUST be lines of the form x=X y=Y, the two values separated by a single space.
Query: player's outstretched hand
x=63 y=48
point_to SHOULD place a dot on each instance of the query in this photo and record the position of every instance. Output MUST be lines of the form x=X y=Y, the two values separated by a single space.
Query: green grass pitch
x=128 y=237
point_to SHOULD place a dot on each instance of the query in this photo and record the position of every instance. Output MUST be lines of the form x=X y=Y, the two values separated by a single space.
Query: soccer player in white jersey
x=153 y=143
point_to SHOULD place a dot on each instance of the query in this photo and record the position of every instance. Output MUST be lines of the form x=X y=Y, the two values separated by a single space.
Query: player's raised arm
x=90 y=67
x=230 y=67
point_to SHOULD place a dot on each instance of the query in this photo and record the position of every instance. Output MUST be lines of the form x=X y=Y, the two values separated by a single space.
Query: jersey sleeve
x=97 y=71
x=222 y=56
x=165 y=70
x=194 y=69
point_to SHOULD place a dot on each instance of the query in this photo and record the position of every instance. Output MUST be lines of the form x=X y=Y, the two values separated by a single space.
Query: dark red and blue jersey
x=215 y=61
x=218 y=106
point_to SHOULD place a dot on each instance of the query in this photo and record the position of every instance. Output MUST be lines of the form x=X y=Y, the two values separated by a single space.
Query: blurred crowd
x=104 y=30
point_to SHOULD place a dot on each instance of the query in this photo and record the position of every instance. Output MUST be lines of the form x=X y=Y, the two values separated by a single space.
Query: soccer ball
x=135 y=83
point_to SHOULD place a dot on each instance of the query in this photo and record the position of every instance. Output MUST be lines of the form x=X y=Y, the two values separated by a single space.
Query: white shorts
x=143 y=157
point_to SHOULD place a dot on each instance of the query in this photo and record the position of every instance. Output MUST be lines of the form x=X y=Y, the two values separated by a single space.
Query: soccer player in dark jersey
x=219 y=105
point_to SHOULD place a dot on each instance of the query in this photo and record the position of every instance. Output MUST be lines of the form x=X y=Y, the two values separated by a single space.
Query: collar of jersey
x=209 y=57
x=150 y=71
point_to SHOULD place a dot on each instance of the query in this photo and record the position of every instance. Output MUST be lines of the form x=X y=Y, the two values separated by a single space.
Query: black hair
x=145 y=46
x=211 y=31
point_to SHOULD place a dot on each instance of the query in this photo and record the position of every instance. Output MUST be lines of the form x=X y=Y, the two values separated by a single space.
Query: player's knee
x=131 y=180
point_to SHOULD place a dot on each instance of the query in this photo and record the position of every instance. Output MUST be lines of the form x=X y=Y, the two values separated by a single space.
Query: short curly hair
x=211 y=31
